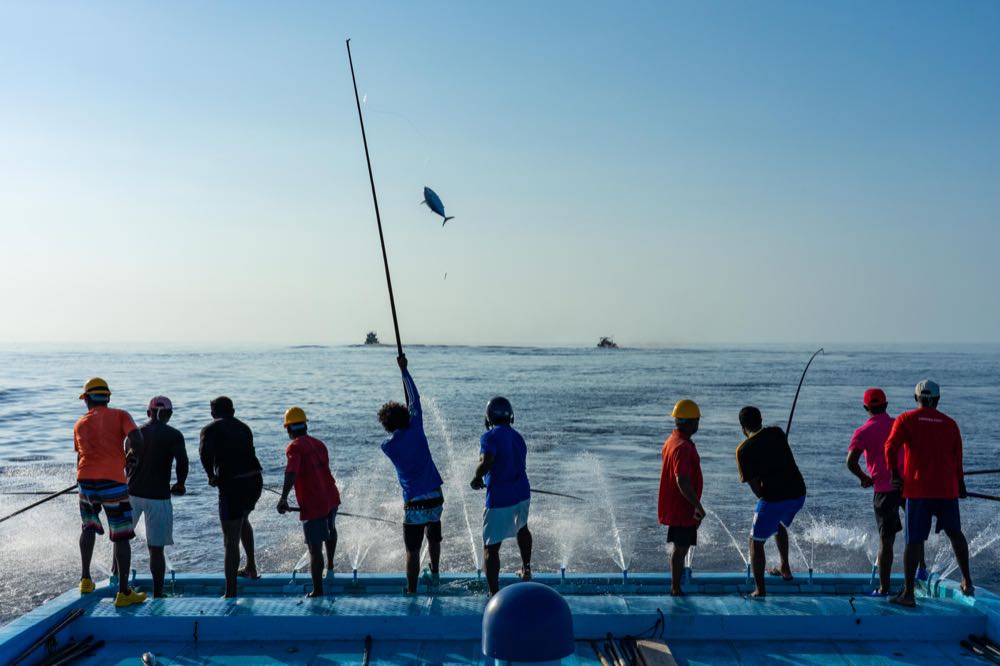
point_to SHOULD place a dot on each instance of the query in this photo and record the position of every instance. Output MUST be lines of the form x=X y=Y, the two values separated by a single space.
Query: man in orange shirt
x=932 y=480
x=101 y=438
x=679 y=506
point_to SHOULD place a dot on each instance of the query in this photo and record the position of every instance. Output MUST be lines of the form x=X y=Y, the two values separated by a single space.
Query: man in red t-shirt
x=932 y=481
x=308 y=470
x=679 y=505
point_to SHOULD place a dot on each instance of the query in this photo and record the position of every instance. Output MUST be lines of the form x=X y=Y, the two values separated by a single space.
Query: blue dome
x=528 y=622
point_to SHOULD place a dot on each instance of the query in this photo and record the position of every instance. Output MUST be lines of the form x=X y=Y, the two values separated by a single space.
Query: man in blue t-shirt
x=501 y=471
x=419 y=479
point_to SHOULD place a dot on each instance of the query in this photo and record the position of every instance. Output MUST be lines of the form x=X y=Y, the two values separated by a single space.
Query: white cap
x=927 y=389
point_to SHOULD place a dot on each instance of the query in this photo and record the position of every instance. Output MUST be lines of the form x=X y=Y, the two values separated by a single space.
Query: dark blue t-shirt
x=507 y=481
x=408 y=450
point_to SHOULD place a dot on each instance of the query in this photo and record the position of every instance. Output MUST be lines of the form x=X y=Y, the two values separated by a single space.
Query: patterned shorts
x=113 y=496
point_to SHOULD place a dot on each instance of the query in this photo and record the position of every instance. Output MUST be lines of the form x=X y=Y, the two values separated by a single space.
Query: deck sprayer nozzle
x=562 y=575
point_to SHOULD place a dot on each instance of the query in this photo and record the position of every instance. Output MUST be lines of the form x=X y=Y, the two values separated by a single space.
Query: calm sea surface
x=594 y=421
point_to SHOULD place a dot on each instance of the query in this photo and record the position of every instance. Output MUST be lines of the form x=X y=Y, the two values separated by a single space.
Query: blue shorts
x=918 y=518
x=320 y=530
x=769 y=515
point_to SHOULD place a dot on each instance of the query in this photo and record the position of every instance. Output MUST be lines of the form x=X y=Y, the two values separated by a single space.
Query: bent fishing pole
x=788 y=428
x=41 y=501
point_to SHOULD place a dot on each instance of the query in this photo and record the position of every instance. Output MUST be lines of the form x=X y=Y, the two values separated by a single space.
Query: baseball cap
x=927 y=389
x=160 y=402
x=874 y=397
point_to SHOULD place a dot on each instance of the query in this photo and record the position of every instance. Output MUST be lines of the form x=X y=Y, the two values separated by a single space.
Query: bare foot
x=903 y=600
x=968 y=589
x=677 y=592
x=757 y=594
x=315 y=594
x=247 y=572
x=525 y=573
x=785 y=573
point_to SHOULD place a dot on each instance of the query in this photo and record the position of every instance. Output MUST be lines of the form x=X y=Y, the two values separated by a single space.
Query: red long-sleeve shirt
x=932 y=453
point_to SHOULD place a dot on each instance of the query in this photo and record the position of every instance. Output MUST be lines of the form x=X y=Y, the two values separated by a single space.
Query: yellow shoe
x=129 y=598
x=86 y=586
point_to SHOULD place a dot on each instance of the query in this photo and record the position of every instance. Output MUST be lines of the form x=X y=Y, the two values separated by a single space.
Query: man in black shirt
x=229 y=459
x=765 y=461
x=149 y=483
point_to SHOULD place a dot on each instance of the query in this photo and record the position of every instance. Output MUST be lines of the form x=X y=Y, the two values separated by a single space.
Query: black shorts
x=887 y=507
x=238 y=497
x=413 y=535
x=682 y=537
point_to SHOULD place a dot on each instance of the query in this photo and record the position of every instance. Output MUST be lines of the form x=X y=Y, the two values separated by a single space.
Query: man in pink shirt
x=869 y=441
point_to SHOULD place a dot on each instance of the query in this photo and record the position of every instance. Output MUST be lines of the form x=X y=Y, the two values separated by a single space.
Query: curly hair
x=394 y=416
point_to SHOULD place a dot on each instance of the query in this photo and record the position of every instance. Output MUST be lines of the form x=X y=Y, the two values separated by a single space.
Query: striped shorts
x=113 y=496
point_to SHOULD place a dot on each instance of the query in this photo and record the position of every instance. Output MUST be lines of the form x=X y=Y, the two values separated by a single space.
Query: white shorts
x=159 y=522
x=504 y=522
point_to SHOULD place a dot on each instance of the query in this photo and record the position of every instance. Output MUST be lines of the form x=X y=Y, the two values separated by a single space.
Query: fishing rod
x=339 y=513
x=981 y=471
x=41 y=501
x=982 y=496
x=788 y=428
x=378 y=217
x=555 y=494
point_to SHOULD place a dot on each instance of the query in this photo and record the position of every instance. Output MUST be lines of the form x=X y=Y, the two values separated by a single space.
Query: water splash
x=622 y=539
x=736 y=545
x=986 y=537
x=456 y=472
x=370 y=491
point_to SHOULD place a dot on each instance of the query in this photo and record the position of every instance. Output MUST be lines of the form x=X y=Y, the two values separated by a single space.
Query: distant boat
x=607 y=343
x=371 y=338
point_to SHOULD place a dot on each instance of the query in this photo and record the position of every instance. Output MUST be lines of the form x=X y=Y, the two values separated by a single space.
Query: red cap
x=875 y=396
x=163 y=402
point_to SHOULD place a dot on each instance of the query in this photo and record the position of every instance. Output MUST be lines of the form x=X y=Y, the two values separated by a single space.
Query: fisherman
x=149 y=483
x=308 y=471
x=419 y=479
x=228 y=456
x=932 y=481
x=679 y=506
x=101 y=438
x=869 y=441
x=501 y=471
x=765 y=461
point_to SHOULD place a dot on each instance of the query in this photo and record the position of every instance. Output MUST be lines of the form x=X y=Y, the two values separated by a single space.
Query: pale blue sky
x=663 y=172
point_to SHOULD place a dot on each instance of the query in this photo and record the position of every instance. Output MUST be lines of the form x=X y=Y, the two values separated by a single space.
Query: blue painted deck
x=829 y=621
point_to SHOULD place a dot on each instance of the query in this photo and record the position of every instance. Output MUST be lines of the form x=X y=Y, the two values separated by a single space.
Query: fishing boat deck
x=828 y=621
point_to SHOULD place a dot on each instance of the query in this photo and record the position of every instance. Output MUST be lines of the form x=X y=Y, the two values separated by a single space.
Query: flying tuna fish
x=433 y=202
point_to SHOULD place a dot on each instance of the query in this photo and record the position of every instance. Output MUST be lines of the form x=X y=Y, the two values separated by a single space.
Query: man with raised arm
x=308 y=471
x=766 y=463
x=419 y=479
x=932 y=480
x=102 y=437
x=230 y=461
x=149 y=483
x=679 y=505
x=502 y=472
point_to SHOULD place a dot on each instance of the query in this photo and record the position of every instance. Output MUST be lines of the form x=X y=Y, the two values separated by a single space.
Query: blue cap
x=528 y=622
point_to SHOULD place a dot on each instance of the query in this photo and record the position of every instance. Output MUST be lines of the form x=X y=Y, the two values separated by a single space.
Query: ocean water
x=594 y=421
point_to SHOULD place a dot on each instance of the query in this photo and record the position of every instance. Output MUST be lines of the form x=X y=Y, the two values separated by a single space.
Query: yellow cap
x=686 y=409
x=294 y=415
x=95 y=386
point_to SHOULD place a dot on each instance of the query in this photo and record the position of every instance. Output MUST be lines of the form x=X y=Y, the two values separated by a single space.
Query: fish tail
x=446 y=220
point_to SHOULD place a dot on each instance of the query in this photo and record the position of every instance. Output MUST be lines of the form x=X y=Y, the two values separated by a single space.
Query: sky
x=664 y=172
